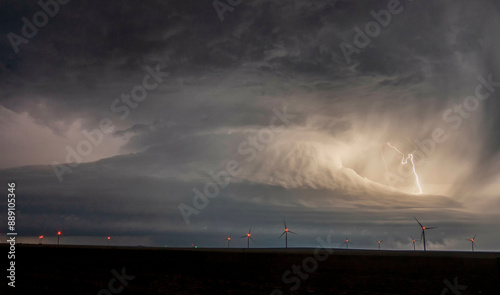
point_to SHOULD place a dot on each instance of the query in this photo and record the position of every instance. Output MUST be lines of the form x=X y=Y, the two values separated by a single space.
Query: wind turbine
x=472 y=242
x=413 y=241
x=379 y=242
x=286 y=234
x=346 y=243
x=249 y=237
x=228 y=240
x=423 y=231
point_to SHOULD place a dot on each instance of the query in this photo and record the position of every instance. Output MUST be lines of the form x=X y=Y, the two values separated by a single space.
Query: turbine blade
x=418 y=222
x=252 y=239
x=250 y=230
x=284 y=223
x=431 y=227
x=292 y=232
x=282 y=234
x=475 y=236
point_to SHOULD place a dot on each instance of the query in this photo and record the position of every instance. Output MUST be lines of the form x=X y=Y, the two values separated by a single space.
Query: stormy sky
x=181 y=122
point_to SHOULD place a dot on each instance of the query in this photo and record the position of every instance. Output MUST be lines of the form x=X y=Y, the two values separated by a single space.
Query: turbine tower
x=249 y=237
x=423 y=231
x=346 y=243
x=413 y=241
x=379 y=242
x=472 y=242
x=286 y=234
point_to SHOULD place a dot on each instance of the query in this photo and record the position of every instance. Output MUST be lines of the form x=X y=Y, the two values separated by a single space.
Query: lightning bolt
x=404 y=161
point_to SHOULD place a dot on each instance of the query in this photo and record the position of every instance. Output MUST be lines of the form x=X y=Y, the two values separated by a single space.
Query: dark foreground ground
x=89 y=270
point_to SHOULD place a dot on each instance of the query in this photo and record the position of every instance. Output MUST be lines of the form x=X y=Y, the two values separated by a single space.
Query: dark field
x=88 y=270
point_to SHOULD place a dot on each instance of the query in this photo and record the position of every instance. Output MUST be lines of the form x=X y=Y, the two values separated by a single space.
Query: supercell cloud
x=174 y=122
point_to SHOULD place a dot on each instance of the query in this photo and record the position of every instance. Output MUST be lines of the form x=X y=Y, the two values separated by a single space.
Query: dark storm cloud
x=75 y=62
x=225 y=79
x=137 y=206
